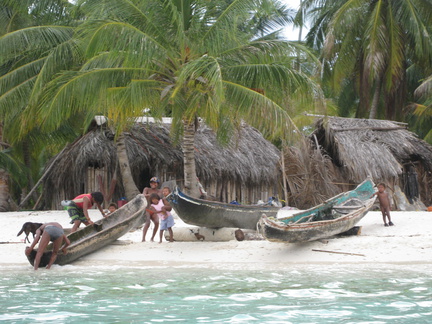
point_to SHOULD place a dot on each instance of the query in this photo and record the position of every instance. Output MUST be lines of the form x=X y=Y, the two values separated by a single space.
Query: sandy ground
x=408 y=242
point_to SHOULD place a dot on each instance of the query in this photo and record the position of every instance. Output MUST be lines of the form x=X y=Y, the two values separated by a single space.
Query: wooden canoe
x=103 y=232
x=205 y=213
x=332 y=217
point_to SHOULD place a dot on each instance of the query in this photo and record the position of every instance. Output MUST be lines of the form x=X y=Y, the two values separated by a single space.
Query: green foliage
x=200 y=60
x=371 y=44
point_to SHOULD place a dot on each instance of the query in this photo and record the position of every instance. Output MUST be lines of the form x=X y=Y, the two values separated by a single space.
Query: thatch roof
x=249 y=158
x=370 y=147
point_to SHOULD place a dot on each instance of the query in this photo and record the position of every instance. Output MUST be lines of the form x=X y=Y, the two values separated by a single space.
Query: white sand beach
x=408 y=242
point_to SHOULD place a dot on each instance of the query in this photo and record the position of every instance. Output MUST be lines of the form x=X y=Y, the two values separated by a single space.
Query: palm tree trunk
x=129 y=185
x=188 y=147
x=298 y=66
x=375 y=100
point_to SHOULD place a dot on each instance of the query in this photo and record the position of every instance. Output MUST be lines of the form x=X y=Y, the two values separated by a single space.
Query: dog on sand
x=28 y=228
x=198 y=236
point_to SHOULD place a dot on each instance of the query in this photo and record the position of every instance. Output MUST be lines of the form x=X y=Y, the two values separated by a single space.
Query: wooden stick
x=38 y=201
x=338 y=252
x=12 y=242
x=41 y=178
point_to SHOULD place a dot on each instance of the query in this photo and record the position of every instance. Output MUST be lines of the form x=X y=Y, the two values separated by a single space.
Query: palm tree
x=422 y=111
x=25 y=65
x=371 y=44
x=176 y=59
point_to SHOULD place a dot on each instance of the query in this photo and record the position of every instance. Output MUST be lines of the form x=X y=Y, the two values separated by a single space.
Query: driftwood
x=347 y=253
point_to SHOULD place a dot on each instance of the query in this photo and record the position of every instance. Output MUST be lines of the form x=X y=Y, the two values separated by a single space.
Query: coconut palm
x=173 y=58
x=26 y=64
x=372 y=44
x=422 y=112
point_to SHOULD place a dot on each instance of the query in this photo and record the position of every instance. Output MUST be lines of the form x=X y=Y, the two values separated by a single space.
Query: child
x=161 y=207
x=48 y=232
x=154 y=184
x=385 y=204
x=166 y=191
x=112 y=208
x=79 y=206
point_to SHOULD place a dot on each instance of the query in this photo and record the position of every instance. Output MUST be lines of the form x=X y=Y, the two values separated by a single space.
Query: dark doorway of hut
x=410 y=183
x=144 y=179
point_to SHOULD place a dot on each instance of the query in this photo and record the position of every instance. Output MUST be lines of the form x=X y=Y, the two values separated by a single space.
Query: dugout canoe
x=212 y=214
x=98 y=235
x=334 y=216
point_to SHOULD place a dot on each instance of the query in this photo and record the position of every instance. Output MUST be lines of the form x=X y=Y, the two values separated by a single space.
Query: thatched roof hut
x=247 y=169
x=384 y=150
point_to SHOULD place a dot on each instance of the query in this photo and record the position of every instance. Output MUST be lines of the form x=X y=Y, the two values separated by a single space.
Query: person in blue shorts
x=48 y=232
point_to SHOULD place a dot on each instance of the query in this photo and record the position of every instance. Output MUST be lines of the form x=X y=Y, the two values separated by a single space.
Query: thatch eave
x=370 y=147
x=248 y=158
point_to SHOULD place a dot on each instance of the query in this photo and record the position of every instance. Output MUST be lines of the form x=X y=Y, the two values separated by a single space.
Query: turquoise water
x=301 y=294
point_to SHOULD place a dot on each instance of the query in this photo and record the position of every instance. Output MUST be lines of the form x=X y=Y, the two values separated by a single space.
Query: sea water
x=298 y=294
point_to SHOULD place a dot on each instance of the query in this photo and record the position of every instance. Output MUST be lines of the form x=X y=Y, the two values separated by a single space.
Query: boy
x=79 y=206
x=385 y=204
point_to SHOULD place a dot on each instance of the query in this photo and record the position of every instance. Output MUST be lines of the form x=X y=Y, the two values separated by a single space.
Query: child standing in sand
x=385 y=204
x=147 y=192
x=166 y=221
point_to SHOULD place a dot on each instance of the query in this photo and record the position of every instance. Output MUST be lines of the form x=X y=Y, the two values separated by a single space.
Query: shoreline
x=408 y=242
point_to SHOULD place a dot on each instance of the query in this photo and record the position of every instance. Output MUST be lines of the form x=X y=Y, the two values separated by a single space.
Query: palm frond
x=41 y=38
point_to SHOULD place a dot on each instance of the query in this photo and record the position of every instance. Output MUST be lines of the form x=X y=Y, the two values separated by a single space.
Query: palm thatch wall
x=246 y=170
x=310 y=175
x=384 y=150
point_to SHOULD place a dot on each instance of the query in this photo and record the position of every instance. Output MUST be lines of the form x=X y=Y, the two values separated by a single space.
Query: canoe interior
x=334 y=207
x=101 y=233
x=211 y=214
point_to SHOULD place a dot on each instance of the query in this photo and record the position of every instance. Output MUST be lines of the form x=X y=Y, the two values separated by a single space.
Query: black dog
x=28 y=228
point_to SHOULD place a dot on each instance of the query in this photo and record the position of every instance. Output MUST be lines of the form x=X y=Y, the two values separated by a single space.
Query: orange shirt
x=79 y=201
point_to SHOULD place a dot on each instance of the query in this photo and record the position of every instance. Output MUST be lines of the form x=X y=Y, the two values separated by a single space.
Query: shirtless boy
x=385 y=204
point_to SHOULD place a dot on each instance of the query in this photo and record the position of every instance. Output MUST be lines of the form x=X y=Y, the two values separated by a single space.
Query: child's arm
x=166 y=206
x=86 y=202
x=101 y=210
x=35 y=241
x=67 y=243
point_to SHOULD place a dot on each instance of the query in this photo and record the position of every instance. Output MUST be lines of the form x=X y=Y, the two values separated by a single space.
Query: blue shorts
x=54 y=232
x=166 y=223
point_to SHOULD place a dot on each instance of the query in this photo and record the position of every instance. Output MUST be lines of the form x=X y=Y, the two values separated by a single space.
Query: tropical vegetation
x=222 y=61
